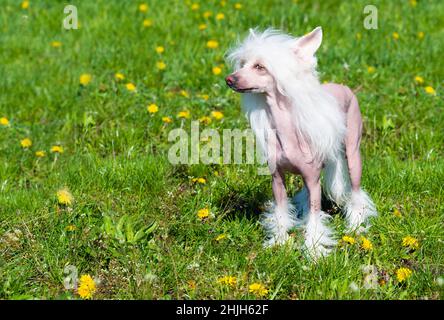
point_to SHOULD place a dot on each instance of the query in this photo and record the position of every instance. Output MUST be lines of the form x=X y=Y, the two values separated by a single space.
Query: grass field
x=132 y=223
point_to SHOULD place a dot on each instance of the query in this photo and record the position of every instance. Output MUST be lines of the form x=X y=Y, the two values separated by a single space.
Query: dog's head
x=263 y=62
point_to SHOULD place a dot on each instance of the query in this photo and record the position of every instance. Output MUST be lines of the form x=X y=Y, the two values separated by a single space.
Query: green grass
x=115 y=160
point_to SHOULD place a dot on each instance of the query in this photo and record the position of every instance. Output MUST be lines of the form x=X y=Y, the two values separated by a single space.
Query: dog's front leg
x=281 y=216
x=318 y=236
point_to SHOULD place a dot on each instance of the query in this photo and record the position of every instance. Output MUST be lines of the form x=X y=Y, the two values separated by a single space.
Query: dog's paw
x=319 y=238
x=358 y=210
x=276 y=240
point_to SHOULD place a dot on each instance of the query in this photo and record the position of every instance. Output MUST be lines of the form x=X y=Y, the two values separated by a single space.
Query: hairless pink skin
x=293 y=153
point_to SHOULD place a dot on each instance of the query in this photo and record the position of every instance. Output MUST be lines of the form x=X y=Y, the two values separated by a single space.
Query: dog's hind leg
x=359 y=207
x=281 y=216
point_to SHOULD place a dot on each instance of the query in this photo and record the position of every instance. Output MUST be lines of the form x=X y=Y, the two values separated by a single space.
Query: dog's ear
x=307 y=45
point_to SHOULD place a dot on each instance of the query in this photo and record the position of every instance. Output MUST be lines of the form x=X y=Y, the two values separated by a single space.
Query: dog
x=303 y=127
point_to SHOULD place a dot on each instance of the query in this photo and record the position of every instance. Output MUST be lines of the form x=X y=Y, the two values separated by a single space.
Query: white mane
x=316 y=115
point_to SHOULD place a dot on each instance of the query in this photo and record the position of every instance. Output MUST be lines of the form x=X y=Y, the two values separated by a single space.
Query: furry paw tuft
x=358 y=209
x=277 y=221
x=319 y=238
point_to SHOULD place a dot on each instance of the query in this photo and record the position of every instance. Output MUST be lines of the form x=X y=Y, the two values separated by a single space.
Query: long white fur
x=277 y=221
x=315 y=113
x=337 y=180
x=319 y=238
x=358 y=206
x=358 y=209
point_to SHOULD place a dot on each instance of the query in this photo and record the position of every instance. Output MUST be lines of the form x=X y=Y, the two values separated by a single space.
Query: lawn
x=92 y=191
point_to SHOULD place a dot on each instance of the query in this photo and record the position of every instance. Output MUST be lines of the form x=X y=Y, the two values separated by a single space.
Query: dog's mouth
x=242 y=90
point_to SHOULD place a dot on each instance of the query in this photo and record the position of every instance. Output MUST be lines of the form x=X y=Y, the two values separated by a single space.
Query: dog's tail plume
x=337 y=180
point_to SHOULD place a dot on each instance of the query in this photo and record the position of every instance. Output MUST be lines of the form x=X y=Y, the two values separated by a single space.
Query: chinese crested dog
x=302 y=126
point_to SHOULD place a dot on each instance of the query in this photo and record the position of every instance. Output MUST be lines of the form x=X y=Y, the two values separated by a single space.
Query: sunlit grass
x=106 y=96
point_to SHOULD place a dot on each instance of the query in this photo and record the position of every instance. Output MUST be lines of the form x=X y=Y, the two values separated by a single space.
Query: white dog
x=302 y=126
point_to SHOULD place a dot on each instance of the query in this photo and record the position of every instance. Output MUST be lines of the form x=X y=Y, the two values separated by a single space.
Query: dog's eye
x=258 y=66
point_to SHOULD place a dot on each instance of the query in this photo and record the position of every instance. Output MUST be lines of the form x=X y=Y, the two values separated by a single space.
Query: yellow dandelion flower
x=25 y=5
x=199 y=180
x=167 y=119
x=40 y=154
x=4 y=121
x=207 y=14
x=220 y=16
x=118 y=76
x=237 y=6
x=185 y=114
x=395 y=35
x=160 y=49
x=195 y=6
x=205 y=120
x=227 y=280
x=26 y=143
x=184 y=93
x=258 y=289
x=410 y=242
x=221 y=237
x=161 y=65
x=191 y=284
x=430 y=90
x=65 y=197
x=152 y=108
x=212 y=44
x=348 y=239
x=147 y=23
x=56 y=44
x=202 y=26
x=217 y=115
x=85 y=79
x=371 y=69
x=223 y=3
x=397 y=213
x=402 y=274
x=71 y=227
x=366 y=244
x=413 y=3
x=217 y=71
x=203 y=213
x=419 y=80
x=143 y=7
x=57 y=149
x=130 y=87
x=420 y=35
x=87 y=287
x=204 y=96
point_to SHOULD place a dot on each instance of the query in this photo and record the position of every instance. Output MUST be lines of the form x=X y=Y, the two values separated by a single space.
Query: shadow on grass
x=236 y=201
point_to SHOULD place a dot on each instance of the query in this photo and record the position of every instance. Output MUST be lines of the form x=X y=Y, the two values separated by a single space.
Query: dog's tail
x=337 y=179
x=358 y=205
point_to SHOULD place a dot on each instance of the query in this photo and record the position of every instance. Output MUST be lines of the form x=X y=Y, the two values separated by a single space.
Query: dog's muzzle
x=231 y=81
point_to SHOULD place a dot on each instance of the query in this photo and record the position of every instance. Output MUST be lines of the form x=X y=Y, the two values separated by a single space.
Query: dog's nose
x=230 y=80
